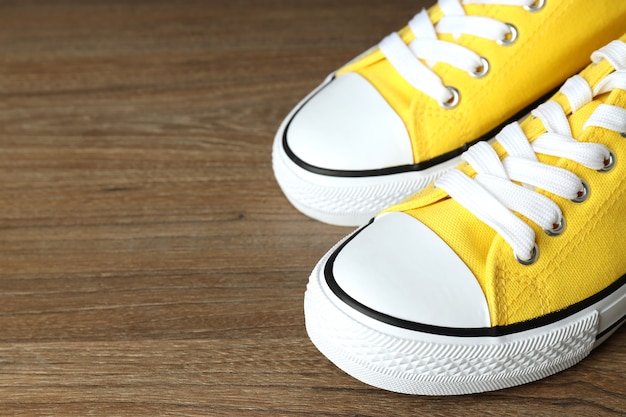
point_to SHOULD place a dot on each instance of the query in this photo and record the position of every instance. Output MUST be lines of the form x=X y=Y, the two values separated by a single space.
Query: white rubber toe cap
x=349 y=126
x=400 y=268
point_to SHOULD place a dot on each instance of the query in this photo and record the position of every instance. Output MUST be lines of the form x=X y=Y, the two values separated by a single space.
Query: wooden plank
x=149 y=264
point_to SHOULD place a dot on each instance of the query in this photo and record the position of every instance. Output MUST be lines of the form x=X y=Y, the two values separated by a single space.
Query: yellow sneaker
x=509 y=269
x=386 y=124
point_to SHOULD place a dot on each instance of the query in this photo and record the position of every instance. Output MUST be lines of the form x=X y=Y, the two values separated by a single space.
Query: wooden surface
x=149 y=264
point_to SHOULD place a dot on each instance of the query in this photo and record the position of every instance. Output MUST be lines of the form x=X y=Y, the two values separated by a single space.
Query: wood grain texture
x=149 y=264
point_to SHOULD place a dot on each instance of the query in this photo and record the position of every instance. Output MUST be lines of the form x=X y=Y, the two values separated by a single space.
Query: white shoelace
x=493 y=197
x=426 y=47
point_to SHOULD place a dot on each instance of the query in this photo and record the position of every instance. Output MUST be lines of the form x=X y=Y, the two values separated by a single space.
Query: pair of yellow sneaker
x=509 y=266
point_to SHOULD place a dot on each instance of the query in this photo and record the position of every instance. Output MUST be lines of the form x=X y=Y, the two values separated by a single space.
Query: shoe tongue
x=578 y=119
x=534 y=128
x=593 y=74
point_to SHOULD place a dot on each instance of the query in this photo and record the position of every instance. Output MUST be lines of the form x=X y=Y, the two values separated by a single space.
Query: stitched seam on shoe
x=506 y=276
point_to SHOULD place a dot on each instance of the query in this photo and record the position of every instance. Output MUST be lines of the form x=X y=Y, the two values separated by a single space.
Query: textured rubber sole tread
x=450 y=365
x=345 y=204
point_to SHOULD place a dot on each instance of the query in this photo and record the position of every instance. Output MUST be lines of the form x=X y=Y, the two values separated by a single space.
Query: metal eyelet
x=482 y=70
x=510 y=38
x=536 y=6
x=583 y=194
x=534 y=255
x=608 y=163
x=623 y=134
x=453 y=101
x=557 y=228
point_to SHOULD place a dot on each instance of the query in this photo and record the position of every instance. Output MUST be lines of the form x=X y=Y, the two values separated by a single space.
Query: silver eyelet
x=583 y=193
x=608 y=163
x=534 y=255
x=557 y=228
x=482 y=70
x=453 y=101
x=510 y=38
x=536 y=6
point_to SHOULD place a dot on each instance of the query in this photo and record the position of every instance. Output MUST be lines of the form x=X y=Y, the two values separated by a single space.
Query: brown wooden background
x=149 y=264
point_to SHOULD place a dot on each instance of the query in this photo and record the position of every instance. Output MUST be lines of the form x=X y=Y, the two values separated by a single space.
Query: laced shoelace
x=493 y=196
x=413 y=61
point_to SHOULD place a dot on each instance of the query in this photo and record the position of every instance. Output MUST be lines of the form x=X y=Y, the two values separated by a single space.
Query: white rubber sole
x=413 y=362
x=344 y=201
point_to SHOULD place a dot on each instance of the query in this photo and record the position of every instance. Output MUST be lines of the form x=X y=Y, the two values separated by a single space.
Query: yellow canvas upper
x=553 y=42
x=571 y=267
